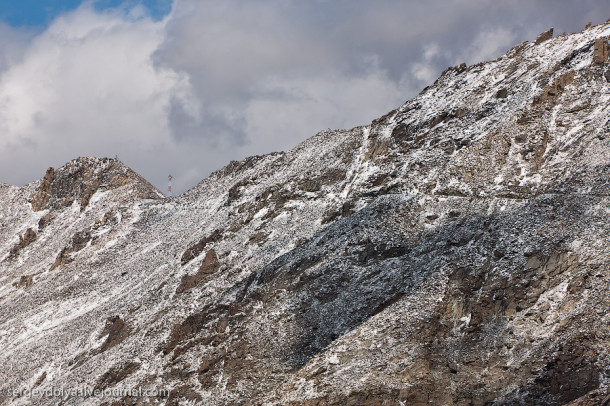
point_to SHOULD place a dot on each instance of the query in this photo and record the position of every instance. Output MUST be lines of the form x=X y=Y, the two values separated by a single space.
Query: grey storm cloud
x=215 y=81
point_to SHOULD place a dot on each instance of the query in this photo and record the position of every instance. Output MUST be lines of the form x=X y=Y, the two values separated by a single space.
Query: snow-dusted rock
x=454 y=251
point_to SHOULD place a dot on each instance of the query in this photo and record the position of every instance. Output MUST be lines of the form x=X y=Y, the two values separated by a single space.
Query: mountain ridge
x=451 y=252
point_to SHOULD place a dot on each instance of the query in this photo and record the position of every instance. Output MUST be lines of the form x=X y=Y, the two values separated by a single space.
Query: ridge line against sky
x=184 y=87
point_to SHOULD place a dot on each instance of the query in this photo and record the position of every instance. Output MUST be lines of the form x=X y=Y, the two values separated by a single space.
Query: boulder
x=502 y=93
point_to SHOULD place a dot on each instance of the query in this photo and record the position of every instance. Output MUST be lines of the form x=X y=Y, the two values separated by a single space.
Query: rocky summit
x=456 y=251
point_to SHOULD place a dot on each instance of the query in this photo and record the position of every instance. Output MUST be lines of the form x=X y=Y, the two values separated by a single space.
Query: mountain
x=454 y=251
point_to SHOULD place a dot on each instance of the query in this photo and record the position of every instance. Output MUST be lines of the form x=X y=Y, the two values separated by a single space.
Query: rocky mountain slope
x=454 y=251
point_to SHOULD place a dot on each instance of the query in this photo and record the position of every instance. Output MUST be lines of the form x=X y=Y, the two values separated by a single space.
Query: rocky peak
x=81 y=178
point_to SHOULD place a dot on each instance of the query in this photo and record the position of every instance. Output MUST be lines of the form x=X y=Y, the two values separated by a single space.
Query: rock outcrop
x=601 y=51
x=209 y=266
x=24 y=240
x=545 y=36
x=40 y=200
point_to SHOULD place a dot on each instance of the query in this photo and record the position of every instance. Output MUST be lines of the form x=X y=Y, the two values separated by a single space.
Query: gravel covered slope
x=454 y=251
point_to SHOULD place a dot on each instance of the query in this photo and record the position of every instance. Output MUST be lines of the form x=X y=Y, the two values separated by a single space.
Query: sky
x=185 y=86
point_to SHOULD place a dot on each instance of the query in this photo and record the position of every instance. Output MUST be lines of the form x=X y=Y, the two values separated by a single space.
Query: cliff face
x=454 y=251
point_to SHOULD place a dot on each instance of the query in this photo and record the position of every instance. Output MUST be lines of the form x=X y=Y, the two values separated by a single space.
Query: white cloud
x=301 y=104
x=88 y=86
x=88 y=82
x=489 y=44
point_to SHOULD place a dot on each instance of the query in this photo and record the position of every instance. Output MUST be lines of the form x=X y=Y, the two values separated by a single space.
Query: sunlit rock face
x=454 y=251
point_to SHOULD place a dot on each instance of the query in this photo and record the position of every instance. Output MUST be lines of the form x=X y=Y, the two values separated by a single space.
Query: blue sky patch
x=40 y=13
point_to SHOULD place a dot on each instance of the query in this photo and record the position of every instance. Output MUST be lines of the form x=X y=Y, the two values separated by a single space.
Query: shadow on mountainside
x=494 y=267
